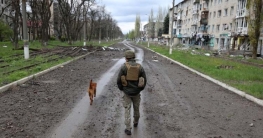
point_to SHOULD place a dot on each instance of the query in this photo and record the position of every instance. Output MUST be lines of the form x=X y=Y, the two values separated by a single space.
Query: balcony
x=242 y=30
x=179 y=25
x=179 y=8
x=175 y=17
x=195 y=22
x=203 y=28
x=195 y=11
x=204 y=10
x=203 y=21
x=179 y=35
x=175 y=9
x=196 y=1
x=179 y=17
x=241 y=13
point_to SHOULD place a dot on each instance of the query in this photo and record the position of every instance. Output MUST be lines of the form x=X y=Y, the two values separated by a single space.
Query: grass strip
x=11 y=59
x=244 y=77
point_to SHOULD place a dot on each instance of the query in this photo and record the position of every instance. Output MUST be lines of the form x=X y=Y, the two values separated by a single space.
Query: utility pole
x=141 y=31
x=25 y=34
x=100 y=30
x=171 y=30
x=85 y=23
x=84 y=30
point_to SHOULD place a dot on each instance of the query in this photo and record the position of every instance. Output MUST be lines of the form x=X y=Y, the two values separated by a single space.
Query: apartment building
x=3 y=10
x=214 y=24
x=149 y=30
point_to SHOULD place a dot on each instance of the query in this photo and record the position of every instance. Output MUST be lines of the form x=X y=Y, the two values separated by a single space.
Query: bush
x=5 y=31
x=52 y=38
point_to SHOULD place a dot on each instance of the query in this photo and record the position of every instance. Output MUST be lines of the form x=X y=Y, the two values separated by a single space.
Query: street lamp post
x=84 y=18
x=25 y=35
x=171 y=30
x=141 y=31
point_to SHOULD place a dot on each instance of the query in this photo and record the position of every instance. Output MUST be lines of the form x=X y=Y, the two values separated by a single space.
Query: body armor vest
x=132 y=72
x=132 y=75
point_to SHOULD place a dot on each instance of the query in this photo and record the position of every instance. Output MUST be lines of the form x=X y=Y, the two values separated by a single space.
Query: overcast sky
x=124 y=11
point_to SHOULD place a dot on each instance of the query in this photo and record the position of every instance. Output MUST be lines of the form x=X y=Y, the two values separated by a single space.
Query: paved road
x=176 y=103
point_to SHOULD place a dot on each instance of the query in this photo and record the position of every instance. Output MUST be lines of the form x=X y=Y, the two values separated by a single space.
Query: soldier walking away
x=131 y=80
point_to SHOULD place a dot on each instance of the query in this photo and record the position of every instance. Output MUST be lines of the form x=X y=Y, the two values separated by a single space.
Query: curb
x=241 y=93
x=23 y=80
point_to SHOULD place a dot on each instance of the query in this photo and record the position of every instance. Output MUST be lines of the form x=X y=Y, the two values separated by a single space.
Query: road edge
x=25 y=79
x=239 y=92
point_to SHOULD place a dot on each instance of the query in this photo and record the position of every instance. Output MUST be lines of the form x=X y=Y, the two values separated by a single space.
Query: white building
x=213 y=24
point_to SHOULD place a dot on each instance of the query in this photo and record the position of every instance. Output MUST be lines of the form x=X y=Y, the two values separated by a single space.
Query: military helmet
x=129 y=54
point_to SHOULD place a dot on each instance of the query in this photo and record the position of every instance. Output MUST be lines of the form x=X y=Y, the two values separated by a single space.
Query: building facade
x=214 y=24
x=5 y=11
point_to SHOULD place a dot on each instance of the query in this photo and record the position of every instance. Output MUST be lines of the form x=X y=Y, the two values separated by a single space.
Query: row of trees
x=69 y=17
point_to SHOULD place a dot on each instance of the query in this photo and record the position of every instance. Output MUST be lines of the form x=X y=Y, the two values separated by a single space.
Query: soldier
x=131 y=80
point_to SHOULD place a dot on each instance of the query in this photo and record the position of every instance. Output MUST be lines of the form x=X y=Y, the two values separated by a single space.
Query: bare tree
x=40 y=18
x=93 y=15
x=101 y=17
x=151 y=25
x=34 y=20
x=68 y=24
x=159 y=23
x=5 y=8
x=15 y=16
x=137 y=26
x=71 y=12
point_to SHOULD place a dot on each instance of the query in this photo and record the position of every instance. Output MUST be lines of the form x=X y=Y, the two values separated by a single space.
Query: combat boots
x=128 y=132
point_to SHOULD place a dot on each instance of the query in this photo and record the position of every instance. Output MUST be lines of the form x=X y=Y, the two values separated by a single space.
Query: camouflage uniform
x=127 y=101
x=131 y=88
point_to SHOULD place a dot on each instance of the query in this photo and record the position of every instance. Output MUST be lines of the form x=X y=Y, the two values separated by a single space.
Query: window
x=210 y=15
x=211 y=2
x=217 y=40
x=219 y=13
x=230 y=26
x=225 y=12
x=245 y=24
x=214 y=14
x=213 y=26
x=218 y=27
x=232 y=10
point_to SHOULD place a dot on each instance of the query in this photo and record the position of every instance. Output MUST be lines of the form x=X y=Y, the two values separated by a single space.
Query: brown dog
x=92 y=91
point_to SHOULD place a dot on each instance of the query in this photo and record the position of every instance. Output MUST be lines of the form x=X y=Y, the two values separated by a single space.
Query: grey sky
x=124 y=11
